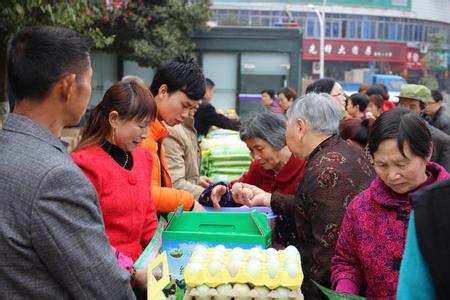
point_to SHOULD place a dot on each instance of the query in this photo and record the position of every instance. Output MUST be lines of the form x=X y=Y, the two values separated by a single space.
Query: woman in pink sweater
x=373 y=234
x=108 y=154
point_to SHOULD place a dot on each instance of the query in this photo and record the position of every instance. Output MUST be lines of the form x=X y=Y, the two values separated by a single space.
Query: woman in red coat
x=373 y=234
x=108 y=154
x=274 y=169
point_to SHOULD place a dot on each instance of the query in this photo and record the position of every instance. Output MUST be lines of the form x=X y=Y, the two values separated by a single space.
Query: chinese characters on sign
x=356 y=51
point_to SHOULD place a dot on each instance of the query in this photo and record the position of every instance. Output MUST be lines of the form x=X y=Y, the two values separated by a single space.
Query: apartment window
x=310 y=27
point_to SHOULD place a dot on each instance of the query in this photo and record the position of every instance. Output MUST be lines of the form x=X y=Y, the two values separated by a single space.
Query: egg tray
x=262 y=278
x=213 y=294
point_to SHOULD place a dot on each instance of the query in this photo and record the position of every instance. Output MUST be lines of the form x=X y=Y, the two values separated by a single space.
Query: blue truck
x=392 y=82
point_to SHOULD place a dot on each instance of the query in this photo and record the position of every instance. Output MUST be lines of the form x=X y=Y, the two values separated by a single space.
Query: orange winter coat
x=166 y=199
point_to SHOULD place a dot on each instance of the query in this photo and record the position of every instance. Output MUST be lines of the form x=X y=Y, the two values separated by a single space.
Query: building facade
x=388 y=36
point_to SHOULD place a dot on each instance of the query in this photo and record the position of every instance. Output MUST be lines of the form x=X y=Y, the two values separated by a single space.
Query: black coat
x=441 y=120
x=431 y=208
x=206 y=116
x=441 y=147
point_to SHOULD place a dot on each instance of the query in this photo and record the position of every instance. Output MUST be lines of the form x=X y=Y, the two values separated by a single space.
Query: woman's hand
x=216 y=194
x=204 y=181
x=251 y=195
x=141 y=279
x=198 y=206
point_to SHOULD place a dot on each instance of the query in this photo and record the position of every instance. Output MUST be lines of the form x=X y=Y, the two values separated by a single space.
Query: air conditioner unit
x=423 y=47
x=316 y=67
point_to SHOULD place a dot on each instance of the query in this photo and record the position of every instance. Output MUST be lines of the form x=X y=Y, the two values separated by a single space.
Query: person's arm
x=415 y=281
x=219 y=120
x=175 y=157
x=346 y=274
x=68 y=234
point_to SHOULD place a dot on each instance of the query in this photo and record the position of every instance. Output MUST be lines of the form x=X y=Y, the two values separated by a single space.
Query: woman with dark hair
x=286 y=96
x=381 y=89
x=372 y=237
x=331 y=87
x=374 y=106
x=274 y=169
x=355 y=132
x=109 y=156
x=356 y=105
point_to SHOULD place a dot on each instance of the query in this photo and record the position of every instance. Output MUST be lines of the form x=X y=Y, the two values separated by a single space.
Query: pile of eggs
x=240 y=291
x=260 y=268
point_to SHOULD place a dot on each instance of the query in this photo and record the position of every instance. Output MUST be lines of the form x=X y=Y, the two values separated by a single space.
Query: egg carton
x=213 y=294
x=255 y=269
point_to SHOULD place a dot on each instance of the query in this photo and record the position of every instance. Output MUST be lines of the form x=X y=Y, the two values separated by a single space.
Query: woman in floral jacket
x=335 y=172
x=372 y=238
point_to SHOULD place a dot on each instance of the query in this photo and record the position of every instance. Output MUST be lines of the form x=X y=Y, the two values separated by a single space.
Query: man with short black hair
x=436 y=114
x=52 y=237
x=178 y=86
x=415 y=97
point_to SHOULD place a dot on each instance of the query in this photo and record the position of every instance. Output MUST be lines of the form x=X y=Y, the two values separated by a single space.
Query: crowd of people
x=358 y=184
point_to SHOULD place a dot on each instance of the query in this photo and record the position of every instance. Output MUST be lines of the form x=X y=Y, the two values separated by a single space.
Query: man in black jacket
x=206 y=115
x=414 y=97
x=436 y=114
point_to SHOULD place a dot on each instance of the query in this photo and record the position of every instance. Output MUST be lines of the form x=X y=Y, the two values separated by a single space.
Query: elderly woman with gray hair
x=334 y=174
x=274 y=169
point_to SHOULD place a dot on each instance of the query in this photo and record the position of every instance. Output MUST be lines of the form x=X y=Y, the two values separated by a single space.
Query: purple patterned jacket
x=372 y=239
x=334 y=174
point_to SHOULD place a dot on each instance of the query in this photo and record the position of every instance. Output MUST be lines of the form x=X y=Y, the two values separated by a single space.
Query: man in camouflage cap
x=414 y=97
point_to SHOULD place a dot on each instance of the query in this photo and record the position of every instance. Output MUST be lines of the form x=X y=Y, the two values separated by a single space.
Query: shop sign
x=415 y=59
x=344 y=50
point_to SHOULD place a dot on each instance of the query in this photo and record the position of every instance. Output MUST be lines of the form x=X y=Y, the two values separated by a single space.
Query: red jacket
x=372 y=238
x=128 y=211
x=285 y=182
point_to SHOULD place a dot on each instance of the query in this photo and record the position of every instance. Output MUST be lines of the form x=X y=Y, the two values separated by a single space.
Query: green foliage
x=436 y=57
x=429 y=81
x=75 y=14
x=152 y=31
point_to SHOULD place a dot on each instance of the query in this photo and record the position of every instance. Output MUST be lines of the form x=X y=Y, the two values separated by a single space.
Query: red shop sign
x=415 y=59
x=345 y=50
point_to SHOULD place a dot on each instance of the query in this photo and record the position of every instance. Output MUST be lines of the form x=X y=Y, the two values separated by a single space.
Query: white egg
x=214 y=267
x=224 y=289
x=291 y=259
x=262 y=291
x=200 y=249
x=219 y=248
x=292 y=270
x=254 y=254
x=241 y=289
x=202 y=290
x=237 y=253
x=196 y=259
x=217 y=257
x=236 y=187
x=271 y=254
x=233 y=267
x=273 y=267
x=253 y=267
x=291 y=249
x=194 y=268
x=283 y=292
